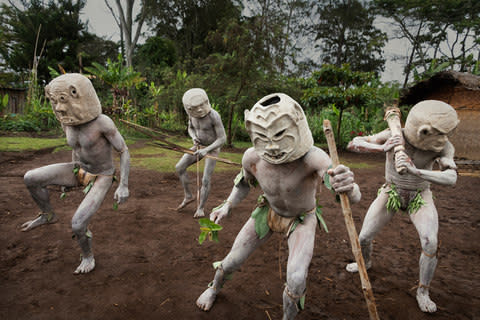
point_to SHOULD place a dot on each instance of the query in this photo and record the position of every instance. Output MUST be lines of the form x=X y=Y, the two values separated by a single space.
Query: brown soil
x=150 y=265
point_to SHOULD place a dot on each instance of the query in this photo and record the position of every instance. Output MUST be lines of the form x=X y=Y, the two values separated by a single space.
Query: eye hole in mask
x=270 y=101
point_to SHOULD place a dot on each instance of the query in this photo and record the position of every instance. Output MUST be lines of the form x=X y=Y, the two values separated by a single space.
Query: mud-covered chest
x=84 y=138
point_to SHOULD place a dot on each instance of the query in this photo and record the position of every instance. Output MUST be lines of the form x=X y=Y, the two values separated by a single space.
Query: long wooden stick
x=198 y=179
x=352 y=232
x=170 y=145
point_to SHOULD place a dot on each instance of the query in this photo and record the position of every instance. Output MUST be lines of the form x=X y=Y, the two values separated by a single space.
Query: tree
x=438 y=32
x=188 y=23
x=235 y=64
x=342 y=89
x=280 y=27
x=120 y=78
x=345 y=29
x=125 y=20
x=154 y=55
x=47 y=34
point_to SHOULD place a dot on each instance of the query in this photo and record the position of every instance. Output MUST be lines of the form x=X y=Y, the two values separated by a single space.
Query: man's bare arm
x=112 y=134
x=219 y=132
x=240 y=189
x=367 y=144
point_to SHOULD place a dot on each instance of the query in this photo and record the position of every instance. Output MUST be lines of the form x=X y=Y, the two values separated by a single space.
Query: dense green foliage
x=348 y=36
x=48 y=33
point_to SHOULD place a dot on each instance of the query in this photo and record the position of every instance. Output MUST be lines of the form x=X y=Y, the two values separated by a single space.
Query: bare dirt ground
x=150 y=265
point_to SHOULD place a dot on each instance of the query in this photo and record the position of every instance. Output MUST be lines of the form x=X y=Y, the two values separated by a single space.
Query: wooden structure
x=16 y=99
x=461 y=91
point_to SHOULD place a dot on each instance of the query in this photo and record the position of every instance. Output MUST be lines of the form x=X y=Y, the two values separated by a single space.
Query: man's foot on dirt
x=199 y=213
x=353 y=267
x=425 y=303
x=185 y=202
x=87 y=265
x=206 y=299
x=43 y=218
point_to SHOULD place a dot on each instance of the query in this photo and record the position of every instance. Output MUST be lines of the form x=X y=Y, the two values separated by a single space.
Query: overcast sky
x=101 y=23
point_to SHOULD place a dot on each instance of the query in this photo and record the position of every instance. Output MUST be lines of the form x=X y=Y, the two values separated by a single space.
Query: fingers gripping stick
x=352 y=232
x=392 y=116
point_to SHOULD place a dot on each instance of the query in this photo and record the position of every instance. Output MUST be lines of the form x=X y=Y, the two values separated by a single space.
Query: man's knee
x=364 y=240
x=296 y=282
x=206 y=182
x=429 y=244
x=31 y=178
x=78 y=227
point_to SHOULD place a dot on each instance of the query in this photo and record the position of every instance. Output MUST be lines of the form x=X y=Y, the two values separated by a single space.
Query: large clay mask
x=429 y=123
x=73 y=98
x=278 y=129
x=196 y=103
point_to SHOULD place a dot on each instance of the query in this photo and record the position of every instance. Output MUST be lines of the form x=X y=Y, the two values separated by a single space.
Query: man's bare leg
x=426 y=222
x=207 y=174
x=300 y=247
x=84 y=213
x=181 y=169
x=375 y=219
x=37 y=181
x=245 y=243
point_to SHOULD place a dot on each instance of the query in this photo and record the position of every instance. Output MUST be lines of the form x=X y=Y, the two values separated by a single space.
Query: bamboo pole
x=352 y=233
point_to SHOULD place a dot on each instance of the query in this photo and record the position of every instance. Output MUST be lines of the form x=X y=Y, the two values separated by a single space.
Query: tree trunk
x=126 y=25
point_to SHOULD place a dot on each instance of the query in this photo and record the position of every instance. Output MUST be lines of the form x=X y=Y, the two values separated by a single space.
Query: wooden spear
x=352 y=232
x=170 y=145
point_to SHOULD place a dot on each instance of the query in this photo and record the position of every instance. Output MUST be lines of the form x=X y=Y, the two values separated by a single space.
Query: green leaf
x=207 y=223
x=238 y=178
x=202 y=237
x=260 y=214
x=88 y=187
x=301 y=303
x=5 y=101
x=63 y=195
x=115 y=205
x=215 y=236
x=208 y=228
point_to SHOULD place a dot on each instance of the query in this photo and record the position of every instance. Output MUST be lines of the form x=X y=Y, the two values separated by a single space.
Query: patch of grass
x=26 y=143
x=356 y=165
x=164 y=160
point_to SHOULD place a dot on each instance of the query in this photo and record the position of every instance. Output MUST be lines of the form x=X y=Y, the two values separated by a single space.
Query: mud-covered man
x=288 y=168
x=205 y=127
x=92 y=136
x=425 y=140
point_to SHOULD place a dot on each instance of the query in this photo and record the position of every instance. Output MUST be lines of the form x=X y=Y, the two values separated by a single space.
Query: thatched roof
x=423 y=88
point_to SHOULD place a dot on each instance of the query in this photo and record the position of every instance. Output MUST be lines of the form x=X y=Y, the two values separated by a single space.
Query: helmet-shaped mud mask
x=278 y=129
x=429 y=123
x=196 y=103
x=73 y=98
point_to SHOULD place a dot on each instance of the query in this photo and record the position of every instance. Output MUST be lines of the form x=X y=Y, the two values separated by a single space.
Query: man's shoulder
x=250 y=156
x=213 y=114
x=104 y=120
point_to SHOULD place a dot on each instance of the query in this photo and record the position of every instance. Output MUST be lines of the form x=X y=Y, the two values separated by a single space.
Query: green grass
x=149 y=156
x=26 y=143
x=159 y=159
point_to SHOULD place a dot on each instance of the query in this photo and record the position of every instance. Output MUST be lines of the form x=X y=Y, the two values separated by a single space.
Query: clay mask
x=278 y=129
x=196 y=103
x=429 y=123
x=73 y=98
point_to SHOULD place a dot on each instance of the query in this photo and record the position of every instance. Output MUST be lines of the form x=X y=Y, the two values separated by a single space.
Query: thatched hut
x=461 y=91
